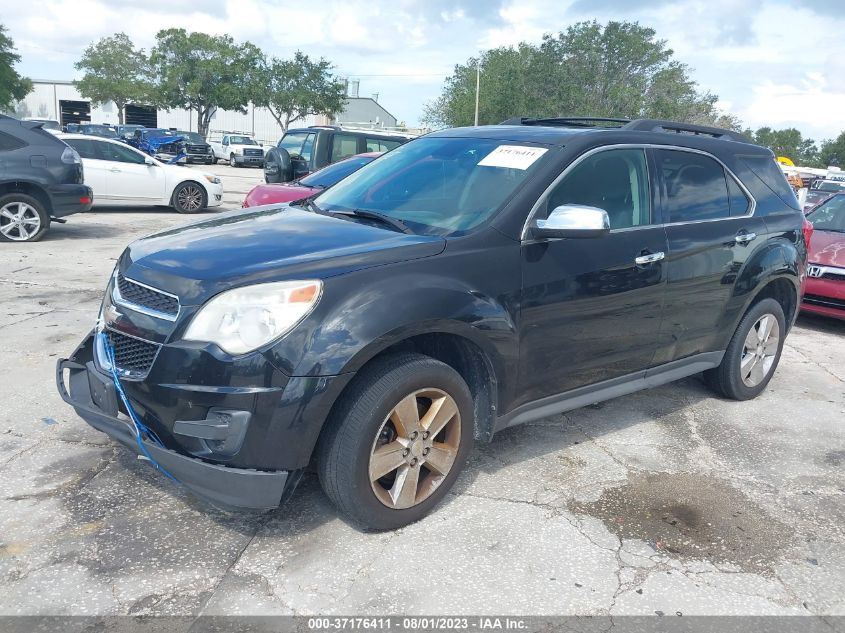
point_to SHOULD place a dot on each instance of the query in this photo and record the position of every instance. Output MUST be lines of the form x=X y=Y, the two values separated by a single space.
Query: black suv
x=196 y=148
x=301 y=151
x=465 y=282
x=40 y=179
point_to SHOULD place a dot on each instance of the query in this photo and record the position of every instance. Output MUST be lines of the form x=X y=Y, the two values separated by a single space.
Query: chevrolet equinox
x=467 y=281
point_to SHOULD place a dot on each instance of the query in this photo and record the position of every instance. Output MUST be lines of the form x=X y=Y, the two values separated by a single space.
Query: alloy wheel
x=19 y=221
x=759 y=350
x=189 y=198
x=415 y=448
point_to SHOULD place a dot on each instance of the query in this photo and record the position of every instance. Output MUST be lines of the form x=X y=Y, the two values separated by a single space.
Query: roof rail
x=566 y=121
x=658 y=125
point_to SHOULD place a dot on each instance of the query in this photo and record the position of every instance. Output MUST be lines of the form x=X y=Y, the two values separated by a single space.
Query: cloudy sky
x=772 y=62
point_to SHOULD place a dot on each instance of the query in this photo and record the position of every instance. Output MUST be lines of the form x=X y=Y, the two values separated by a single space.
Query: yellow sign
x=783 y=160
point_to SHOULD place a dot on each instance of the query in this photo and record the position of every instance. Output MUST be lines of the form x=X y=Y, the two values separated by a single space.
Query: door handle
x=114 y=170
x=745 y=238
x=649 y=258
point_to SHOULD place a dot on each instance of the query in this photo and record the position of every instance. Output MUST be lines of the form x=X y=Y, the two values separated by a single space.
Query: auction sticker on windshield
x=512 y=156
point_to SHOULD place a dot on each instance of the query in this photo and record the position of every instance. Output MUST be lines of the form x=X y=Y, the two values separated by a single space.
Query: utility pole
x=477 y=87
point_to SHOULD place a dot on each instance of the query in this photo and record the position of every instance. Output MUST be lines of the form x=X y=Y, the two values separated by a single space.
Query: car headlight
x=214 y=180
x=244 y=319
x=238 y=150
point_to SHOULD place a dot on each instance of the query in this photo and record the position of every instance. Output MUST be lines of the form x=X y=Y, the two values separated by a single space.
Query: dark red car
x=824 y=291
x=310 y=184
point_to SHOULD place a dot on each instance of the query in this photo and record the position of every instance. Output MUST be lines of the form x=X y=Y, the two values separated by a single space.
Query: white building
x=61 y=101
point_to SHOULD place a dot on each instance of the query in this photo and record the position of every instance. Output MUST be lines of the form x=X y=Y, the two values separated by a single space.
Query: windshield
x=828 y=185
x=193 y=137
x=830 y=216
x=332 y=174
x=436 y=185
x=241 y=140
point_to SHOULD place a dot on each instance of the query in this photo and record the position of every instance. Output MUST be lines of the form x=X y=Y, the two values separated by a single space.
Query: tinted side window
x=739 y=201
x=696 y=188
x=767 y=170
x=118 y=153
x=292 y=143
x=343 y=146
x=84 y=147
x=614 y=180
x=9 y=142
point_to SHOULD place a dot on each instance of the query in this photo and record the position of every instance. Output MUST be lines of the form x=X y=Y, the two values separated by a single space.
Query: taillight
x=808 y=232
x=70 y=156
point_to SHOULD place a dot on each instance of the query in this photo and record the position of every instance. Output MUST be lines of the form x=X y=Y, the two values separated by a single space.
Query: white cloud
x=811 y=106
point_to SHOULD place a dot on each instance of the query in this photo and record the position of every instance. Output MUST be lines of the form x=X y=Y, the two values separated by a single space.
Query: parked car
x=238 y=149
x=197 y=149
x=468 y=281
x=51 y=125
x=94 y=129
x=824 y=291
x=302 y=151
x=41 y=179
x=124 y=176
x=124 y=131
x=820 y=190
x=308 y=186
x=165 y=145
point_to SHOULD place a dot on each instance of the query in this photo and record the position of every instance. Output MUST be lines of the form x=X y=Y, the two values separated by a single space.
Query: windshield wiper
x=381 y=217
x=309 y=204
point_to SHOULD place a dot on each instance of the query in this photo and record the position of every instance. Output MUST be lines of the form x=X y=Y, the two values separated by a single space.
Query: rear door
x=96 y=170
x=711 y=233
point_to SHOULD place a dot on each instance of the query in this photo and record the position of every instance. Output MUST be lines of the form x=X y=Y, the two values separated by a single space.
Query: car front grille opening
x=132 y=354
x=826 y=302
x=132 y=292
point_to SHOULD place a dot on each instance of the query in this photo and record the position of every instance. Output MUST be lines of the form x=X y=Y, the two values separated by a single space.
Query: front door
x=591 y=312
x=712 y=234
x=129 y=179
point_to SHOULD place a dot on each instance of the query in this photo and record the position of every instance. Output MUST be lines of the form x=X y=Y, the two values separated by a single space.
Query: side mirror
x=573 y=220
x=149 y=161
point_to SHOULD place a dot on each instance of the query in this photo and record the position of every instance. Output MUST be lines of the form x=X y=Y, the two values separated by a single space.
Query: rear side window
x=767 y=170
x=344 y=146
x=9 y=142
x=696 y=188
x=381 y=145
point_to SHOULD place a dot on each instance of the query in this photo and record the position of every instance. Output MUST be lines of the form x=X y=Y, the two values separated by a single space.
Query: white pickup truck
x=238 y=149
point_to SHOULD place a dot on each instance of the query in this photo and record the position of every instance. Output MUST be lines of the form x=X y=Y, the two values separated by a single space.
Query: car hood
x=827 y=248
x=270 y=194
x=266 y=244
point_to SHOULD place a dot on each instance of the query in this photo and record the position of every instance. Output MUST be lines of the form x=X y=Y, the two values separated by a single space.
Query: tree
x=203 y=72
x=13 y=87
x=114 y=71
x=832 y=152
x=295 y=88
x=615 y=70
x=790 y=143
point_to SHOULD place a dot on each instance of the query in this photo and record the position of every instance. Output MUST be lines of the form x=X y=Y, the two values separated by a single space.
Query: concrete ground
x=670 y=501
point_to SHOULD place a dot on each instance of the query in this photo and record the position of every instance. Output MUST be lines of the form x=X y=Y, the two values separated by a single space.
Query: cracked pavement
x=669 y=501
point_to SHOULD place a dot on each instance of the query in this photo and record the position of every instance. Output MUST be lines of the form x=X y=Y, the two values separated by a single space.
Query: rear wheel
x=753 y=353
x=397 y=441
x=189 y=197
x=22 y=218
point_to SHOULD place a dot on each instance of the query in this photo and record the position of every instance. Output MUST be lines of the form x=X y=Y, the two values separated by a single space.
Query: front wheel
x=397 y=441
x=232 y=161
x=753 y=353
x=189 y=197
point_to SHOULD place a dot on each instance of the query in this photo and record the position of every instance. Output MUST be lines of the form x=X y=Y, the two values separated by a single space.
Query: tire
x=22 y=218
x=729 y=379
x=363 y=421
x=189 y=197
x=215 y=160
x=232 y=161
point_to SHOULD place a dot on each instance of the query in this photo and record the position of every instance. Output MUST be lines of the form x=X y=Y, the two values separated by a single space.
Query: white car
x=121 y=175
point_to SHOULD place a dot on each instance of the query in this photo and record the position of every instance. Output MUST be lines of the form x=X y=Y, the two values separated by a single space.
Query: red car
x=824 y=291
x=311 y=184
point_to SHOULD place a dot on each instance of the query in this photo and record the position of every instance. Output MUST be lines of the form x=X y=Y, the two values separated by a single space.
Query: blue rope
x=138 y=427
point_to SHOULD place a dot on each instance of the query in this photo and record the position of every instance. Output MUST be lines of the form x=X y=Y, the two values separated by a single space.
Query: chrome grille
x=132 y=354
x=253 y=152
x=134 y=293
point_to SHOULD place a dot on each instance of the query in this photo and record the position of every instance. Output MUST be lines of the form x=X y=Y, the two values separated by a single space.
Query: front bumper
x=225 y=487
x=67 y=199
x=825 y=297
x=249 y=160
x=205 y=159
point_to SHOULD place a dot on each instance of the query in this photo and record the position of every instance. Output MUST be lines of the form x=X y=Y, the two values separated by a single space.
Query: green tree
x=615 y=70
x=832 y=152
x=13 y=87
x=115 y=71
x=204 y=72
x=790 y=143
x=295 y=88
